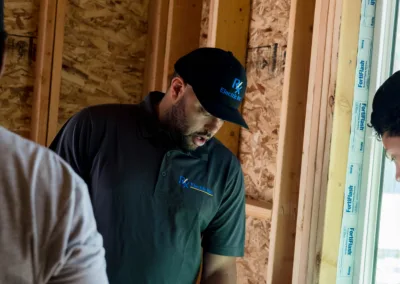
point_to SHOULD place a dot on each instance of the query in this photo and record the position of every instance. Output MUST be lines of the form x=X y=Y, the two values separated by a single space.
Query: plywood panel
x=252 y=268
x=265 y=66
x=104 y=54
x=16 y=85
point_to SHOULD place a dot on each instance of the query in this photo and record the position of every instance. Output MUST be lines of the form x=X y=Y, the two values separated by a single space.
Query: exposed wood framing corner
x=228 y=29
x=316 y=145
x=40 y=101
x=56 y=71
x=293 y=112
x=48 y=71
x=350 y=24
x=156 y=44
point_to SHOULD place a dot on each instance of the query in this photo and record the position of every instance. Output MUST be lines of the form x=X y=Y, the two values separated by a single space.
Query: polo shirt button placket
x=164 y=174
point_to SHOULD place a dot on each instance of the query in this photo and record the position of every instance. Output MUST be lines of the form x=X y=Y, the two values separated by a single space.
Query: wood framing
x=293 y=112
x=258 y=209
x=316 y=144
x=183 y=33
x=40 y=102
x=347 y=61
x=228 y=29
x=156 y=44
x=56 y=71
x=48 y=69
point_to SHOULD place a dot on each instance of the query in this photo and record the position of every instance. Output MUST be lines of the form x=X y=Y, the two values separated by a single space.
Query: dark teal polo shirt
x=155 y=205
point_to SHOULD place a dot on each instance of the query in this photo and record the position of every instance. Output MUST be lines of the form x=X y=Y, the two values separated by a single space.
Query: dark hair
x=385 y=117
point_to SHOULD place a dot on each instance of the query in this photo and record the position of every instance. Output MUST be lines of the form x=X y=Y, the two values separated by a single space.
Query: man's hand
x=218 y=269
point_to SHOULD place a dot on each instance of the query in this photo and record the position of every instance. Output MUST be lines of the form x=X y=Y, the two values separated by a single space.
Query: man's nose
x=215 y=124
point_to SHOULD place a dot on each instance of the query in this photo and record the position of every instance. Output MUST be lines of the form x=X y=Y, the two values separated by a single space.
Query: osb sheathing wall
x=16 y=86
x=104 y=53
x=258 y=147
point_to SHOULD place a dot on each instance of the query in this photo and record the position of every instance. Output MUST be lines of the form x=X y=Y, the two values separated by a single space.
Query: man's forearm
x=223 y=276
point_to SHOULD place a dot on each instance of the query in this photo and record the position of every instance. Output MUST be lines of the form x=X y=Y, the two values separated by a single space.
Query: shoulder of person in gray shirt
x=48 y=232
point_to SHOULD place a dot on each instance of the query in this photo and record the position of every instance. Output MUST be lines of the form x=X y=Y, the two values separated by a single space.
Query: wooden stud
x=316 y=145
x=348 y=46
x=156 y=44
x=228 y=29
x=294 y=99
x=42 y=75
x=258 y=209
x=56 y=71
x=183 y=33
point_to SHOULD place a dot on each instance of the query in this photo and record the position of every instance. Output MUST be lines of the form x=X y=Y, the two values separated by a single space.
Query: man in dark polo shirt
x=162 y=187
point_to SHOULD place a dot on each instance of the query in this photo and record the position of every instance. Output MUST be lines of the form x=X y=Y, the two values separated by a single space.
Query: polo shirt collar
x=151 y=127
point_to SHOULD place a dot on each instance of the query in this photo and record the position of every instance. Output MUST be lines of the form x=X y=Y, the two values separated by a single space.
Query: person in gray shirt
x=48 y=232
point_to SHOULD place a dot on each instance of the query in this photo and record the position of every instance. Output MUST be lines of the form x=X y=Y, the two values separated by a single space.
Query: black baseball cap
x=218 y=79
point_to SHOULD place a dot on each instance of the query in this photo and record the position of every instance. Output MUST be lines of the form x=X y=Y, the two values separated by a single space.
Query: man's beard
x=177 y=125
x=176 y=122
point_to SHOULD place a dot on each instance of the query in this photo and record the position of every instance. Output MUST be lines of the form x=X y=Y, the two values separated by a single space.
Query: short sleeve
x=72 y=143
x=226 y=233
x=81 y=258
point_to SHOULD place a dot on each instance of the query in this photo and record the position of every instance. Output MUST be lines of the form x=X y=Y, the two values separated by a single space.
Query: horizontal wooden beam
x=258 y=209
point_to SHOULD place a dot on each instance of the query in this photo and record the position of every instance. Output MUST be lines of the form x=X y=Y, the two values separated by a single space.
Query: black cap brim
x=225 y=113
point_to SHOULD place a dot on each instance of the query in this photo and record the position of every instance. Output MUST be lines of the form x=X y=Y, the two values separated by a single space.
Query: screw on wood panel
x=232 y=133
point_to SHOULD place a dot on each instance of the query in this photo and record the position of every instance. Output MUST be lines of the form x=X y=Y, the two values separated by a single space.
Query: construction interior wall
x=103 y=62
x=265 y=66
x=261 y=109
x=16 y=86
x=104 y=54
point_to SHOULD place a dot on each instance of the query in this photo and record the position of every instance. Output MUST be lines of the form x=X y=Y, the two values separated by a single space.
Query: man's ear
x=177 y=89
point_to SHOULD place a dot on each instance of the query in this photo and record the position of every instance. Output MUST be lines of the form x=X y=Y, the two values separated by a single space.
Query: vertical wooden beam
x=316 y=145
x=347 y=61
x=56 y=71
x=42 y=72
x=294 y=99
x=228 y=29
x=156 y=44
x=51 y=14
x=183 y=32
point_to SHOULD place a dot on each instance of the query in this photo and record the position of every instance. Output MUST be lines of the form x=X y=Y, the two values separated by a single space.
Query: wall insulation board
x=16 y=85
x=104 y=53
x=261 y=109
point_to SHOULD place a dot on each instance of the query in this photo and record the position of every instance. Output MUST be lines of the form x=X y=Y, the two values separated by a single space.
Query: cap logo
x=237 y=85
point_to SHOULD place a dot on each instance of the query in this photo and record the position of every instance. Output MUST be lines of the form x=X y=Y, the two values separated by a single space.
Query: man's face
x=392 y=147
x=193 y=125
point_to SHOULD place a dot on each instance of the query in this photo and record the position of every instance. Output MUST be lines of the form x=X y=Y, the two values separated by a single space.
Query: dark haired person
x=161 y=186
x=47 y=229
x=385 y=118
